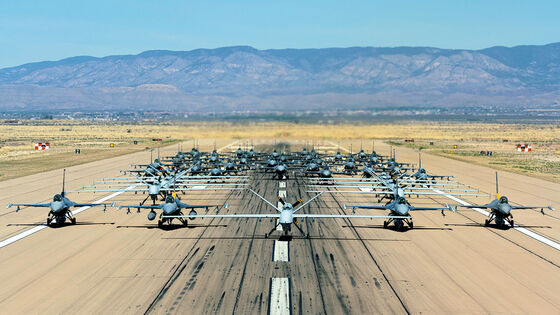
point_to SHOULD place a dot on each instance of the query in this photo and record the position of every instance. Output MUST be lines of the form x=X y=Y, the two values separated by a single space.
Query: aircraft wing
x=319 y=216
x=439 y=176
x=186 y=206
x=241 y=215
x=429 y=208
x=366 y=207
x=74 y=204
x=43 y=205
x=523 y=207
x=141 y=207
x=473 y=206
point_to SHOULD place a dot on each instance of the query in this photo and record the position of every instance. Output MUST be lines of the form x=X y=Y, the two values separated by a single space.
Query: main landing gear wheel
x=73 y=220
x=160 y=223
x=411 y=224
x=486 y=222
x=385 y=224
x=265 y=235
x=49 y=220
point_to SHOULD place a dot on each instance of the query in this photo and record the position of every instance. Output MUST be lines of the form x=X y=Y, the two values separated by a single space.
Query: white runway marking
x=532 y=234
x=38 y=228
x=279 y=296
x=227 y=146
x=341 y=148
x=282 y=193
x=281 y=251
x=366 y=189
x=198 y=187
x=282 y=185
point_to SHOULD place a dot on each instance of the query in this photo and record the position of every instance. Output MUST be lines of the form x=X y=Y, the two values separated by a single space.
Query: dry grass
x=18 y=158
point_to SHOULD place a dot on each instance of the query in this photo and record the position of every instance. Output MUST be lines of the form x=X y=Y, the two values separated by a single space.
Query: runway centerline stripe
x=279 y=296
x=523 y=230
x=38 y=228
x=281 y=251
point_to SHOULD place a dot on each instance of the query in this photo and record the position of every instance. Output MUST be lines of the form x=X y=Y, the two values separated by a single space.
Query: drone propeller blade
x=281 y=200
x=297 y=203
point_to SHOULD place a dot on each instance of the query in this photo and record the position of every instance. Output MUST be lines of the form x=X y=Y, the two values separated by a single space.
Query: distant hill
x=243 y=78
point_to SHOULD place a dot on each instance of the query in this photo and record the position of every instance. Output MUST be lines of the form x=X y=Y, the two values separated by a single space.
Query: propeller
x=295 y=204
x=281 y=200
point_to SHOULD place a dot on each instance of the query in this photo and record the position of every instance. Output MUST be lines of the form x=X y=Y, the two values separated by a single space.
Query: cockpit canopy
x=57 y=197
x=401 y=201
x=503 y=199
x=422 y=170
x=169 y=199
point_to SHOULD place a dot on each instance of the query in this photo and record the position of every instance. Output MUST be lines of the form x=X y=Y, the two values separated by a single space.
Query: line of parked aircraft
x=392 y=183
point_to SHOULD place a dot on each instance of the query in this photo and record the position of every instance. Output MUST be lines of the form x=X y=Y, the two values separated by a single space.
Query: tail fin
x=497 y=194
x=63 y=182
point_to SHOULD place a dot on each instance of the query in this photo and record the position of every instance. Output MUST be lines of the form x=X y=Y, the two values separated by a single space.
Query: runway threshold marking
x=340 y=147
x=523 y=230
x=282 y=185
x=40 y=227
x=279 y=296
x=281 y=251
x=227 y=146
x=282 y=193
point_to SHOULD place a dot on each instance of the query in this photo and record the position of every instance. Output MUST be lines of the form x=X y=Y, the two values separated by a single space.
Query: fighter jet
x=60 y=206
x=399 y=208
x=500 y=209
x=172 y=209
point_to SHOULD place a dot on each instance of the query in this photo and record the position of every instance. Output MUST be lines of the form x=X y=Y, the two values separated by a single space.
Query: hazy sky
x=52 y=30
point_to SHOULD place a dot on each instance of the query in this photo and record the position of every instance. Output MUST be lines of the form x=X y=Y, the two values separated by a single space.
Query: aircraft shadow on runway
x=494 y=226
x=56 y=226
x=170 y=227
x=392 y=228
x=283 y=238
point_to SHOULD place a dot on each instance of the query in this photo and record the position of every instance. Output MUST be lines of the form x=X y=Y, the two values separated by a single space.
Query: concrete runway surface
x=111 y=262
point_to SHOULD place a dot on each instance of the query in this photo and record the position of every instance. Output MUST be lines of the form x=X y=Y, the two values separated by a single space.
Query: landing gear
x=160 y=223
x=303 y=233
x=491 y=217
x=510 y=220
x=399 y=224
x=266 y=235
x=69 y=216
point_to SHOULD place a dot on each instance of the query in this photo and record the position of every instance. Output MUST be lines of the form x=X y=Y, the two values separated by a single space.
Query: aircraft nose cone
x=402 y=209
x=57 y=206
x=169 y=208
x=505 y=209
x=153 y=190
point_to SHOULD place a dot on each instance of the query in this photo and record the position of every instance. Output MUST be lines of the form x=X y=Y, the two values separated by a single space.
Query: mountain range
x=243 y=78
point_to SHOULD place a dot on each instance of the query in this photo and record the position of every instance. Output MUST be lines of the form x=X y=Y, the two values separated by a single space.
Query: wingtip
x=9 y=205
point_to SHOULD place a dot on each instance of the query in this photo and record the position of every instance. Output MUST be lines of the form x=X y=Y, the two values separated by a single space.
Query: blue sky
x=51 y=30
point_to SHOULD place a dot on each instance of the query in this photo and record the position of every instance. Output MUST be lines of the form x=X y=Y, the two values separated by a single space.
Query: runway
x=113 y=262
